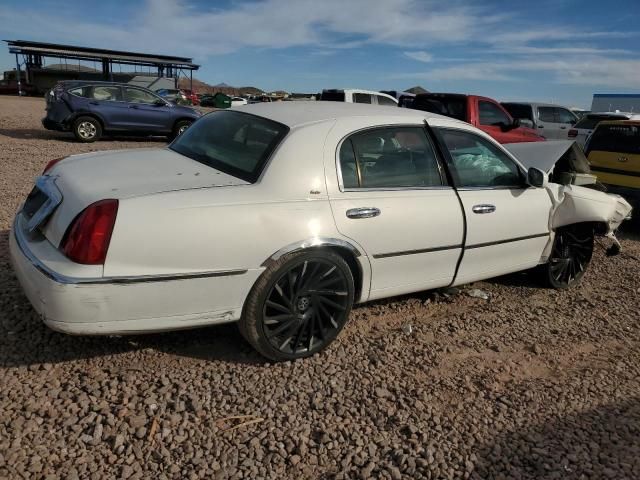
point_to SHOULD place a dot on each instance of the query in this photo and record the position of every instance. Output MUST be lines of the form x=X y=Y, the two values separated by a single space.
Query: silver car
x=551 y=121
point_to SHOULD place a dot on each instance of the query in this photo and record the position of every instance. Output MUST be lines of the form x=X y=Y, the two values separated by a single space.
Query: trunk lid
x=87 y=178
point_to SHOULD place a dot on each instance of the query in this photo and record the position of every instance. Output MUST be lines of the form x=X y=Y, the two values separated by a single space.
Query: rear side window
x=491 y=114
x=454 y=106
x=106 y=93
x=517 y=110
x=616 y=138
x=332 y=96
x=386 y=101
x=547 y=114
x=361 y=98
x=236 y=143
x=391 y=157
x=477 y=163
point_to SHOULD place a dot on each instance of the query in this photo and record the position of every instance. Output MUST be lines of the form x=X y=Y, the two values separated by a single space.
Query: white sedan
x=238 y=101
x=281 y=216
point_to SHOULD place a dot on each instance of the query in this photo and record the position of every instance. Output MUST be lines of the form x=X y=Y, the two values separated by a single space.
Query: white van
x=358 y=96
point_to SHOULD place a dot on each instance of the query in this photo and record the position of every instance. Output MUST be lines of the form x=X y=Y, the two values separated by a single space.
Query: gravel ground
x=531 y=383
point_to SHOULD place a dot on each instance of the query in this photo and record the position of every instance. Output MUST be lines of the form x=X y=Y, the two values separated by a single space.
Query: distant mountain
x=416 y=90
x=203 y=87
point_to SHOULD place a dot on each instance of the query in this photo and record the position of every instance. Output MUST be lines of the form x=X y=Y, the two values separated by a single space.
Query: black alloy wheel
x=300 y=306
x=570 y=256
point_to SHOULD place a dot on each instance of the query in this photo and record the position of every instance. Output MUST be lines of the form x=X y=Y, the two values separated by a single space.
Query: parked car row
x=309 y=207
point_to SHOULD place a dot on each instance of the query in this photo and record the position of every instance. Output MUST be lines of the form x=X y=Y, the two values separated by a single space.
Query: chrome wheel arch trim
x=362 y=260
x=311 y=243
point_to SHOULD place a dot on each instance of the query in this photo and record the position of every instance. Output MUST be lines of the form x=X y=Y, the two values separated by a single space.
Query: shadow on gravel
x=42 y=134
x=600 y=443
x=26 y=341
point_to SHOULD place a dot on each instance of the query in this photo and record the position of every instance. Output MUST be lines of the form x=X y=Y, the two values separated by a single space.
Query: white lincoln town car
x=281 y=216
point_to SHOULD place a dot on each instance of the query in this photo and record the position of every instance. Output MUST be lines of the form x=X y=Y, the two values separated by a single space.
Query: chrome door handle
x=364 y=212
x=484 y=208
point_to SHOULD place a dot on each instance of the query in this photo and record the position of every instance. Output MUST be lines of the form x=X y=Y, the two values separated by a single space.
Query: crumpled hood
x=130 y=173
x=545 y=155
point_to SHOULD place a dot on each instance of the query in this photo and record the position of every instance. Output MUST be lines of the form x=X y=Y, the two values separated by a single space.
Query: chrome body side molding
x=311 y=243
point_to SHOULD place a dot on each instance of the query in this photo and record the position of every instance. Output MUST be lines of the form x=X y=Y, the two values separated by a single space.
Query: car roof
x=536 y=104
x=634 y=122
x=296 y=114
x=81 y=83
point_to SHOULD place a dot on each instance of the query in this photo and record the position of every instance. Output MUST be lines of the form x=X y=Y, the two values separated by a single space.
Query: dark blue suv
x=89 y=109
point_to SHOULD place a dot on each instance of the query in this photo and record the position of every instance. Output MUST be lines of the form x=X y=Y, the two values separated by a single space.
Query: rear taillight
x=51 y=164
x=573 y=133
x=87 y=238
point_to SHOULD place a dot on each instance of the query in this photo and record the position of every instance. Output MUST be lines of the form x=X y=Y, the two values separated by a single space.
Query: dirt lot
x=531 y=383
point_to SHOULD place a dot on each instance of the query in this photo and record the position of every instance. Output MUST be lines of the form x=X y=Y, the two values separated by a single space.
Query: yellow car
x=614 y=154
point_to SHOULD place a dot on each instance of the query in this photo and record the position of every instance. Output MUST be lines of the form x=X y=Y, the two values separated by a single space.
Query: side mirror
x=506 y=127
x=537 y=178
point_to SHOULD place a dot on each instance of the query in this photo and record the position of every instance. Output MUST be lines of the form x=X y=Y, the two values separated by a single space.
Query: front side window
x=135 y=95
x=235 y=143
x=81 y=92
x=105 y=93
x=478 y=163
x=386 y=101
x=361 y=98
x=565 y=116
x=547 y=114
x=391 y=157
x=491 y=114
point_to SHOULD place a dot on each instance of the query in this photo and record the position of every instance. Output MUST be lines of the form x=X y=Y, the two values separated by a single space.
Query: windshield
x=233 y=142
x=519 y=110
x=616 y=138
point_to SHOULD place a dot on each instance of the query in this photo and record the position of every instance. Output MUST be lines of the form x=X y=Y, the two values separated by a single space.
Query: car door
x=146 y=112
x=393 y=200
x=565 y=120
x=492 y=119
x=106 y=102
x=507 y=221
x=548 y=124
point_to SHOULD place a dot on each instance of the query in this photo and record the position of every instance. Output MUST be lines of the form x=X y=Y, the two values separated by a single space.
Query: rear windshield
x=233 y=142
x=589 y=122
x=332 y=96
x=454 y=106
x=616 y=138
x=517 y=110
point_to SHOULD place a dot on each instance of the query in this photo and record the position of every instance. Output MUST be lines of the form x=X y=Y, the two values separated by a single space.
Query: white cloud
x=419 y=56
x=597 y=71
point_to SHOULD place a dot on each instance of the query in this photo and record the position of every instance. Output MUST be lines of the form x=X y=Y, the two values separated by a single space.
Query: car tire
x=179 y=128
x=87 y=129
x=570 y=256
x=299 y=305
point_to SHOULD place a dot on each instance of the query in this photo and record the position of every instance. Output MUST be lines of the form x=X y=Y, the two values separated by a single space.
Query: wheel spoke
x=331 y=303
x=277 y=306
x=285 y=328
x=328 y=292
x=274 y=320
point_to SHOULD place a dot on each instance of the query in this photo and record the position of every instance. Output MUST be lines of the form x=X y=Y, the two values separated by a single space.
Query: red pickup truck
x=482 y=112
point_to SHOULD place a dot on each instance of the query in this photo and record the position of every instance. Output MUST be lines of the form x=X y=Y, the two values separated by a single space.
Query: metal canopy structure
x=33 y=54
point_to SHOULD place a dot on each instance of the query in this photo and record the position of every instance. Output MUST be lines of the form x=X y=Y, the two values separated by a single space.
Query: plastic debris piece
x=477 y=293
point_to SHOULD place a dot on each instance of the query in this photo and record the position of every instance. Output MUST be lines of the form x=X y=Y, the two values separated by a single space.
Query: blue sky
x=560 y=51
